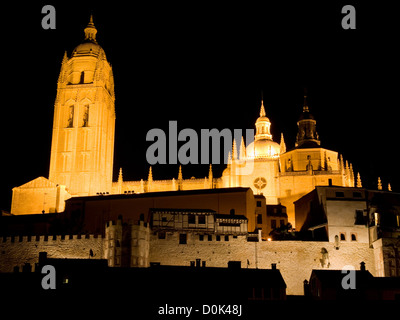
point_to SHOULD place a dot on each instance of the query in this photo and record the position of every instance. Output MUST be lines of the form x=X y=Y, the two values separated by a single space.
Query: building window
x=281 y=223
x=209 y=237
x=161 y=235
x=342 y=237
x=353 y=237
x=339 y=194
x=218 y=238
x=258 y=204
x=376 y=218
x=273 y=224
x=82 y=79
x=201 y=237
x=359 y=217
x=70 y=122
x=226 y=238
x=191 y=219
x=259 y=219
x=182 y=238
x=85 y=118
x=202 y=219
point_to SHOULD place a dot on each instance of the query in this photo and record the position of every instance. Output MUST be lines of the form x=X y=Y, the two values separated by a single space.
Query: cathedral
x=82 y=149
x=247 y=216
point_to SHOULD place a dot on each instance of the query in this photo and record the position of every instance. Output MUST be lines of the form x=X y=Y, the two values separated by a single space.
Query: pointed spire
x=379 y=183
x=120 y=179
x=180 y=173
x=234 y=150
x=262 y=109
x=229 y=162
x=341 y=164
x=351 y=175
x=210 y=177
x=65 y=57
x=90 y=31
x=359 y=184
x=242 y=151
x=282 y=144
x=305 y=104
x=389 y=187
x=150 y=177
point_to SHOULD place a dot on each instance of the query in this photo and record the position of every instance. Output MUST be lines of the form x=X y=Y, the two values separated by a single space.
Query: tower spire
x=379 y=183
x=307 y=136
x=90 y=31
x=359 y=183
x=180 y=177
x=262 y=109
x=282 y=144
x=305 y=104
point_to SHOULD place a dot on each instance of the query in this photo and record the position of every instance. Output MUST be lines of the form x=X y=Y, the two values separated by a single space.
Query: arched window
x=82 y=80
x=85 y=116
x=70 y=121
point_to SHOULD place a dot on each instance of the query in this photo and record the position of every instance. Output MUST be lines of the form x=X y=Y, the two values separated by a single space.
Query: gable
x=40 y=182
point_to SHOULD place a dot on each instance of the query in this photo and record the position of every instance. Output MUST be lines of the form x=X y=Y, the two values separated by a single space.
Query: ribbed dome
x=263 y=148
x=89 y=47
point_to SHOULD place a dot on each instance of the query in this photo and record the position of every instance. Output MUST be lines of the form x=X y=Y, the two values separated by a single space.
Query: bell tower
x=82 y=148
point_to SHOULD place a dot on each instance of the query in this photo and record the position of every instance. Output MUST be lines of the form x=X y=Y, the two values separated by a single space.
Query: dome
x=263 y=148
x=88 y=48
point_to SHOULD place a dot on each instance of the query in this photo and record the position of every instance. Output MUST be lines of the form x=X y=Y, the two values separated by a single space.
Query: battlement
x=48 y=238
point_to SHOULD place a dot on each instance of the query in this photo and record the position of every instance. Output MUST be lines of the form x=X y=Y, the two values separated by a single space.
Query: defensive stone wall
x=16 y=251
x=295 y=259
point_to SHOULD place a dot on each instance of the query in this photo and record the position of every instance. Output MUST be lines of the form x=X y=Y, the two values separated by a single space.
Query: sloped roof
x=40 y=182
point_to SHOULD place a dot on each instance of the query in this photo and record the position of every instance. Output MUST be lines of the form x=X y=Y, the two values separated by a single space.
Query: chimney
x=273 y=266
x=362 y=266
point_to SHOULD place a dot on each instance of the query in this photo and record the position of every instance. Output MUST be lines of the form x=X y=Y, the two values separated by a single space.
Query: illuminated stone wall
x=295 y=259
x=37 y=196
x=16 y=251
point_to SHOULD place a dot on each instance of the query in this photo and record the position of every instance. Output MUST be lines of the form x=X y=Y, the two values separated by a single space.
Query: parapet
x=45 y=238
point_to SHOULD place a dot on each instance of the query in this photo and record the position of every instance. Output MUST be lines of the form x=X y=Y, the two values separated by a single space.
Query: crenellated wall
x=295 y=259
x=16 y=251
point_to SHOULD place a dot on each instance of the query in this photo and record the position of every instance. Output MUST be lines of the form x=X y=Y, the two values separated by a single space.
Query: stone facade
x=295 y=259
x=16 y=251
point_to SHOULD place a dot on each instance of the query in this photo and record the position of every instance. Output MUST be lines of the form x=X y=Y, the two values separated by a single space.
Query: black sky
x=205 y=66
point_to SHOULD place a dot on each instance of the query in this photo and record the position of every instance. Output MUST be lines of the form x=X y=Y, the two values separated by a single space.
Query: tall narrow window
x=82 y=80
x=182 y=238
x=70 y=122
x=85 y=116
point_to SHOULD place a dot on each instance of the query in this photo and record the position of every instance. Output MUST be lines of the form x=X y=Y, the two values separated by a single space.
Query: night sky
x=206 y=66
